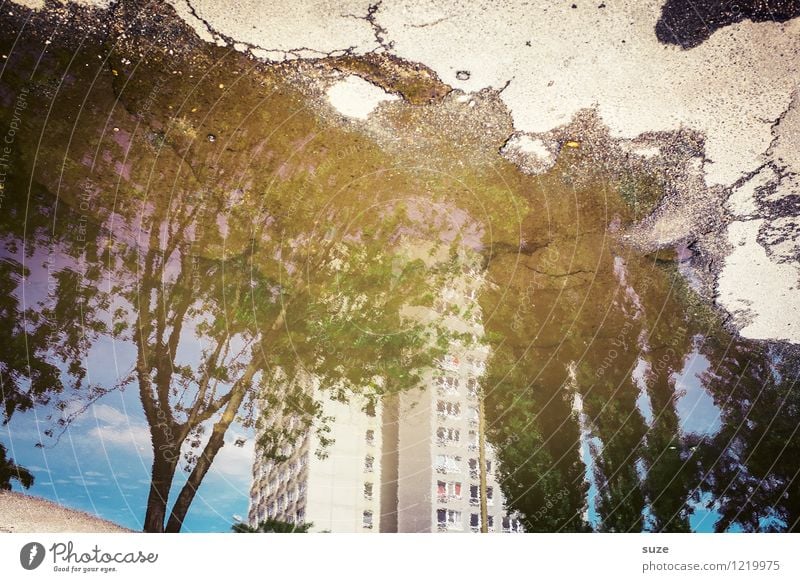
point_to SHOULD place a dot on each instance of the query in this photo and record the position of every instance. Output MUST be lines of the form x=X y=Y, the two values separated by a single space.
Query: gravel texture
x=20 y=513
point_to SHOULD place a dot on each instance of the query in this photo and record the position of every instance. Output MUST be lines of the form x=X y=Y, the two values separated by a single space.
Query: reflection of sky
x=704 y=515
x=698 y=415
x=643 y=402
x=102 y=463
x=590 y=447
x=696 y=409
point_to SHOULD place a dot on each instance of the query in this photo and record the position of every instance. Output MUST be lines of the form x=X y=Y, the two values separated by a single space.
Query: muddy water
x=616 y=399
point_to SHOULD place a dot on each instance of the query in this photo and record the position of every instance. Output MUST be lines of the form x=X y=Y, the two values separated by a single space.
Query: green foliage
x=9 y=471
x=272 y=526
x=26 y=377
x=291 y=251
x=233 y=276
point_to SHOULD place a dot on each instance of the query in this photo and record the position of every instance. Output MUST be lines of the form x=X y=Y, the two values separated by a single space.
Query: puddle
x=615 y=399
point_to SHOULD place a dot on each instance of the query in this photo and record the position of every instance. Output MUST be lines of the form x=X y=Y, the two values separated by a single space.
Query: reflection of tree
x=272 y=526
x=224 y=272
x=670 y=476
x=28 y=376
x=233 y=237
x=540 y=471
x=16 y=392
x=10 y=471
x=751 y=467
x=328 y=306
x=333 y=317
x=569 y=302
x=23 y=380
x=539 y=323
x=616 y=422
x=610 y=397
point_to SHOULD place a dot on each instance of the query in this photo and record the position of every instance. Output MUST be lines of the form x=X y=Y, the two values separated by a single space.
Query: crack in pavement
x=378 y=31
x=296 y=53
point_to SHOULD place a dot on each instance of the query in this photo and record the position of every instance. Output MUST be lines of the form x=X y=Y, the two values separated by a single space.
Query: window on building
x=472 y=387
x=472 y=441
x=370 y=409
x=475 y=522
x=366 y=519
x=472 y=415
x=490 y=496
x=447 y=463
x=370 y=437
x=369 y=462
x=454 y=489
x=506 y=523
x=446 y=408
x=447 y=385
x=474 y=495
x=448 y=519
x=301 y=515
x=367 y=490
x=473 y=467
x=448 y=490
x=447 y=436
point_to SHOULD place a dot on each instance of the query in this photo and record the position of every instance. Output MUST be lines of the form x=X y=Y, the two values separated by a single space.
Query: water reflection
x=670 y=423
x=616 y=401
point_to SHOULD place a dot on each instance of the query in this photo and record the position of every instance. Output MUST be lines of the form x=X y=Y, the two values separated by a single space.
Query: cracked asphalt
x=654 y=71
x=651 y=70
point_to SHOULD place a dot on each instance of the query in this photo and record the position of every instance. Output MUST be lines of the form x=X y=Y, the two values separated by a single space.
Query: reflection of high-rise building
x=437 y=487
x=336 y=487
x=409 y=465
